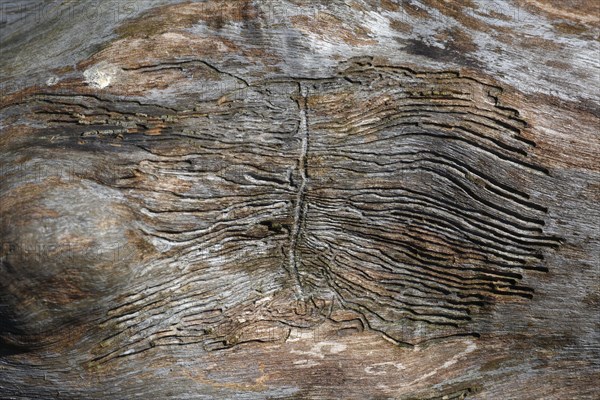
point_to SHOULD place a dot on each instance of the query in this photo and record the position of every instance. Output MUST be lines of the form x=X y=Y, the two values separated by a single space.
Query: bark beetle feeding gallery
x=357 y=172
x=183 y=213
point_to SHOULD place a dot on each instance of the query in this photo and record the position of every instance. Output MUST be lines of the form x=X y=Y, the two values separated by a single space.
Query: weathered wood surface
x=389 y=199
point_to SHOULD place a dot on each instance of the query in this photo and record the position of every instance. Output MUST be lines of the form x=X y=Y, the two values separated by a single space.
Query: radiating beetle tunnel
x=399 y=197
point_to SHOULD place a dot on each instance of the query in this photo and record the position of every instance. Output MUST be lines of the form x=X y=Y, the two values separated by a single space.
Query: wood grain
x=388 y=199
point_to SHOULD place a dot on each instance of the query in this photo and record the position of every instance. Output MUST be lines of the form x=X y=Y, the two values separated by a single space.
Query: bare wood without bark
x=311 y=200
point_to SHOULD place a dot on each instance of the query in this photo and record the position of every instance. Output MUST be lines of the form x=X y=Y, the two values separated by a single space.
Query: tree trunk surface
x=300 y=199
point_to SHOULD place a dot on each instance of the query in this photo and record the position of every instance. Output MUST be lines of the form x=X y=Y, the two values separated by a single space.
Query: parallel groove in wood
x=353 y=206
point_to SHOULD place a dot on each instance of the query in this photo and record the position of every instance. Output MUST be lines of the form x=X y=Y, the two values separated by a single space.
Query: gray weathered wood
x=243 y=199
